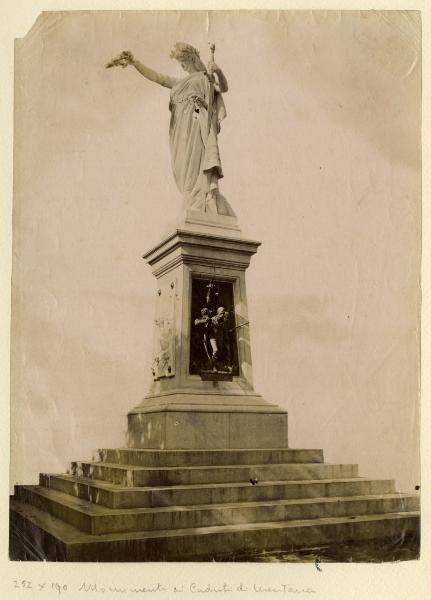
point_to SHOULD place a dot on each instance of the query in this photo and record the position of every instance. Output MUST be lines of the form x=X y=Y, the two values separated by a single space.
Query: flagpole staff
x=212 y=48
x=211 y=93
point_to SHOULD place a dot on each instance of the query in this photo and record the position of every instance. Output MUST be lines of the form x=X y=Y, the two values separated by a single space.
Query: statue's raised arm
x=197 y=108
x=126 y=58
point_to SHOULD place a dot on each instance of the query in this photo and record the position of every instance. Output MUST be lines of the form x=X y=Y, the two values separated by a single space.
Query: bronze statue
x=215 y=322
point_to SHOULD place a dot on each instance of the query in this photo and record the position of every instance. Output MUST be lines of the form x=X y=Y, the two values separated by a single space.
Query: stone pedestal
x=181 y=411
x=207 y=475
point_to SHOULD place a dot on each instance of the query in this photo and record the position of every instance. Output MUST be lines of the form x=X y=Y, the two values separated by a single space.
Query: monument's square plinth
x=182 y=410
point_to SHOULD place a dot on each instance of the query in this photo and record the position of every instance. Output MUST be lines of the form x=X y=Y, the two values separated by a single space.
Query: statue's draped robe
x=194 y=149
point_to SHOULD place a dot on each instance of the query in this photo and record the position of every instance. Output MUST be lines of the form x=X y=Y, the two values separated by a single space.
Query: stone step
x=96 y=519
x=56 y=540
x=114 y=496
x=190 y=458
x=134 y=476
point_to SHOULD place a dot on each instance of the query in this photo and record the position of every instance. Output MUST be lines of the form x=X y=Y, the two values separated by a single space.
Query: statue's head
x=188 y=57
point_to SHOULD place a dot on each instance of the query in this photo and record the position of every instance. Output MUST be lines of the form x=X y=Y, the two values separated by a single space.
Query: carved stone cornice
x=185 y=247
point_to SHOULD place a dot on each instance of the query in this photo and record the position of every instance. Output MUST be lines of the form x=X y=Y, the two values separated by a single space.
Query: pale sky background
x=321 y=155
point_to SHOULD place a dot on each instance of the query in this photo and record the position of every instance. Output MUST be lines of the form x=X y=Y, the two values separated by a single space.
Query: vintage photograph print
x=162 y=409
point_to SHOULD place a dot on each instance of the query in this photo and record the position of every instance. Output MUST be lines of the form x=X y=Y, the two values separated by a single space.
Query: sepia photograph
x=216 y=287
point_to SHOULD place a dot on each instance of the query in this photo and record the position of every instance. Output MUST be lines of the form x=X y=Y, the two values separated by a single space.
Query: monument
x=200 y=266
x=206 y=470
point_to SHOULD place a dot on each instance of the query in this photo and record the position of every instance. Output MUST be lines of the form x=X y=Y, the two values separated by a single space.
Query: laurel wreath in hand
x=122 y=60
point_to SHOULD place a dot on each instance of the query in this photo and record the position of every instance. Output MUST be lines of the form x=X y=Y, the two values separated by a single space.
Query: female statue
x=197 y=108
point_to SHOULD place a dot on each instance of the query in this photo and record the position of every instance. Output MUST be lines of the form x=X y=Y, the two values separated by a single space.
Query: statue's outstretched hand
x=122 y=60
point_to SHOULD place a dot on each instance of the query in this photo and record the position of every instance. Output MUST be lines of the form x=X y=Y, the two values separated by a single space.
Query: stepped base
x=183 y=505
x=47 y=538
